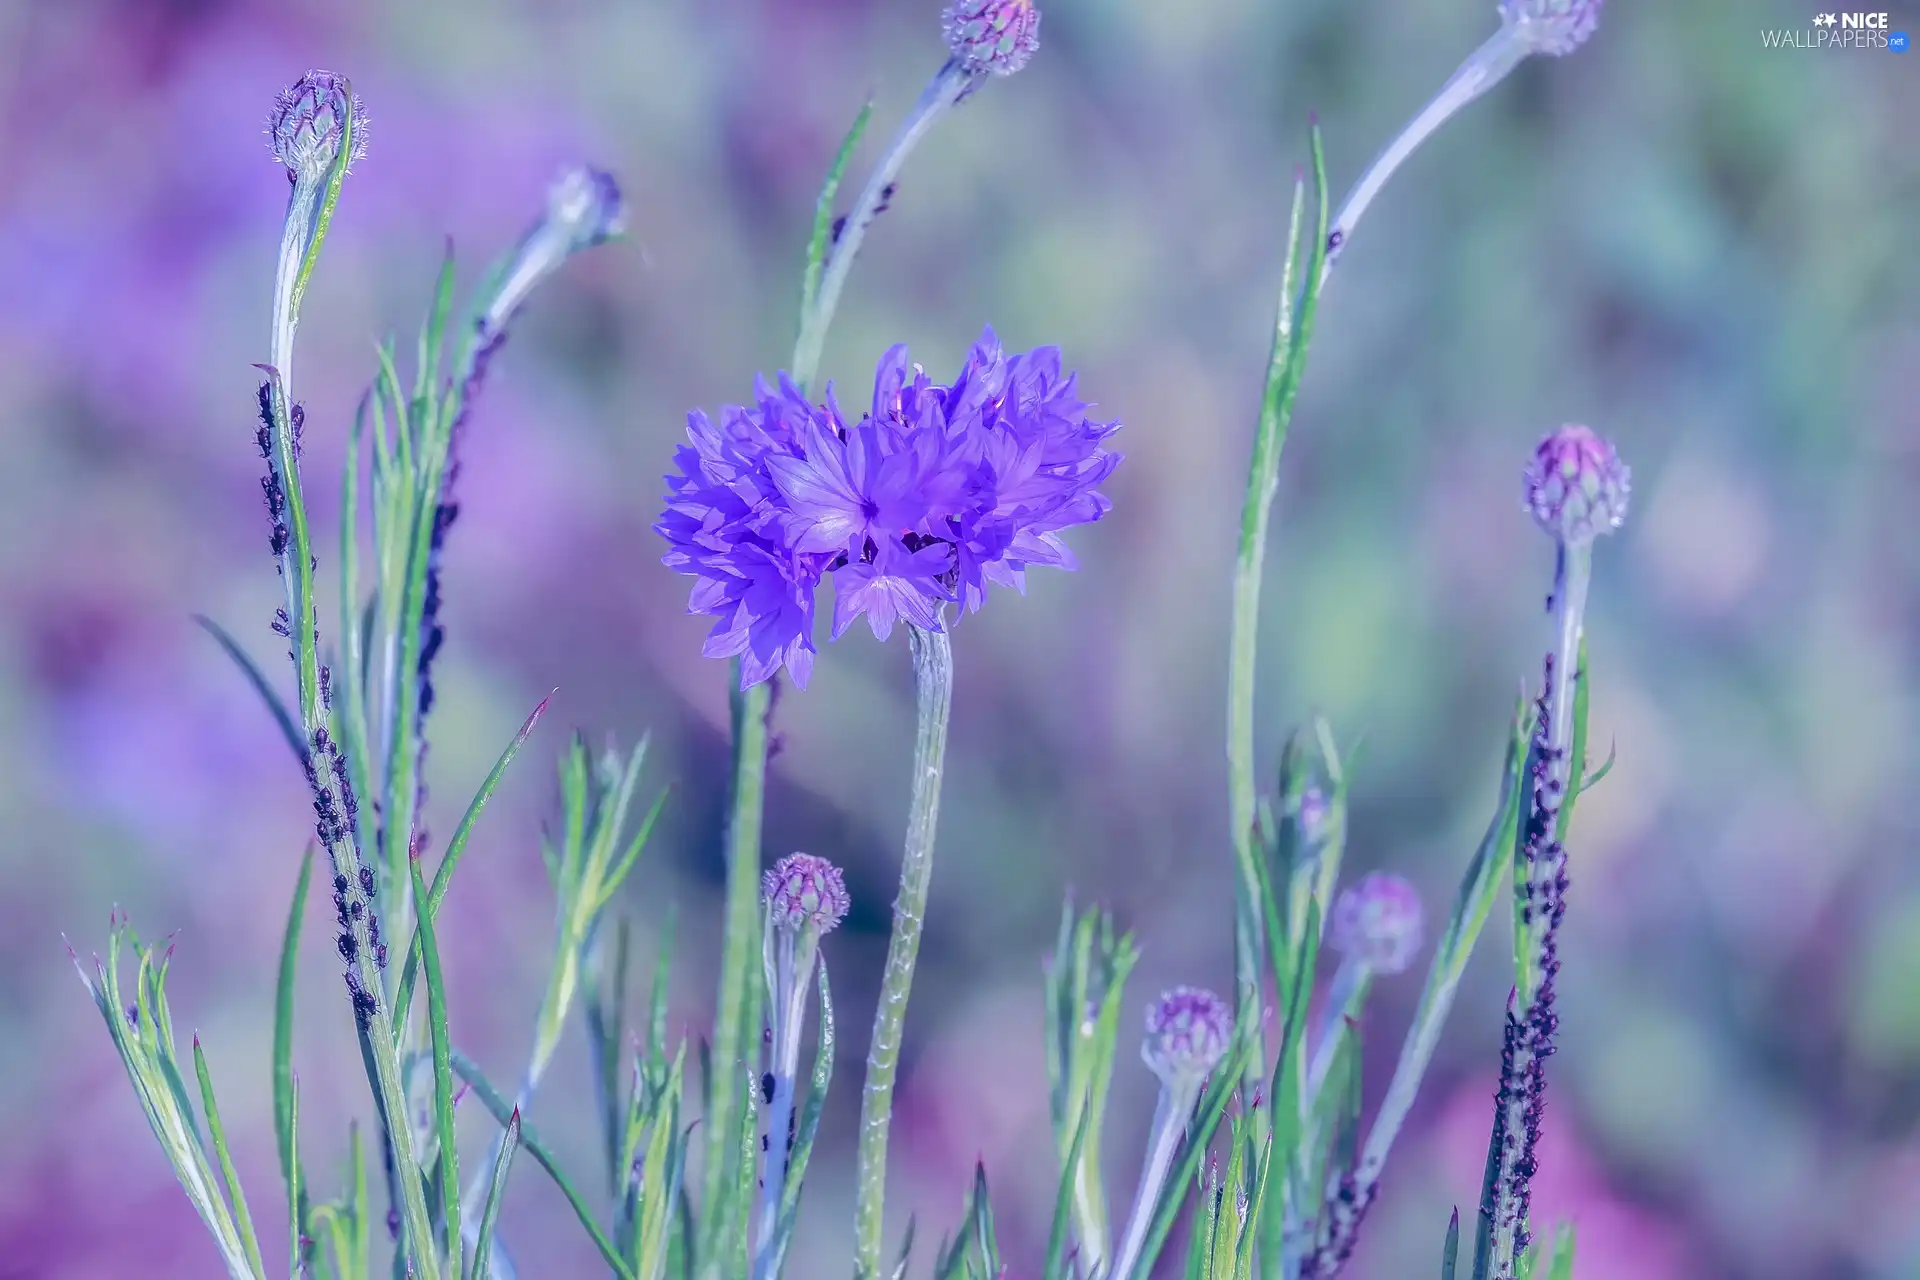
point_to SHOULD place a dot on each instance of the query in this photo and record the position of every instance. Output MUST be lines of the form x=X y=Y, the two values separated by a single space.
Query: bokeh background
x=1702 y=247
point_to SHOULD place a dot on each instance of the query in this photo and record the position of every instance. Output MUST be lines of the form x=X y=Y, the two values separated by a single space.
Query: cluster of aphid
x=349 y=908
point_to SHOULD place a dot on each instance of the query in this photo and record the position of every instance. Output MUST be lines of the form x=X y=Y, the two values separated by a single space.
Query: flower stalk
x=933 y=685
x=1188 y=1032
x=1527 y=27
x=806 y=897
x=1577 y=489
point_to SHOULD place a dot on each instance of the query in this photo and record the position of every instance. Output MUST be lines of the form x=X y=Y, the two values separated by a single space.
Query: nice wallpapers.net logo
x=1839 y=31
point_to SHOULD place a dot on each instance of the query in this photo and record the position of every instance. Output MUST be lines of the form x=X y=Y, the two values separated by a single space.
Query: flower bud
x=309 y=121
x=802 y=889
x=585 y=206
x=1315 y=812
x=1555 y=27
x=1378 y=922
x=1576 y=486
x=992 y=37
x=1187 y=1033
x=584 y=209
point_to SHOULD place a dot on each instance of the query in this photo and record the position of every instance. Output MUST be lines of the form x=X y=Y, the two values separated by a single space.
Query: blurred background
x=1700 y=246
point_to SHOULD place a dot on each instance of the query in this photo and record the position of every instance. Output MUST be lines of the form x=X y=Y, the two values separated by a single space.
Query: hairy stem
x=933 y=681
x=743 y=921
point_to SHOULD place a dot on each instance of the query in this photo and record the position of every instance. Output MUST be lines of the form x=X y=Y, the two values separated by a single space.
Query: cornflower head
x=1576 y=489
x=309 y=125
x=806 y=898
x=1552 y=27
x=317 y=129
x=933 y=495
x=1188 y=1032
x=992 y=37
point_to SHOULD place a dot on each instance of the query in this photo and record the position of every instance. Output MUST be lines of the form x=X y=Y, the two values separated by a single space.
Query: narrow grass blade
x=443 y=875
x=1450 y=1254
x=283 y=1042
x=1561 y=1267
x=503 y=1112
x=1056 y=1268
x=442 y=1073
x=984 y=1238
x=215 y=1130
x=906 y=1251
x=822 y=238
x=1577 y=780
x=276 y=705
x=496 y=1192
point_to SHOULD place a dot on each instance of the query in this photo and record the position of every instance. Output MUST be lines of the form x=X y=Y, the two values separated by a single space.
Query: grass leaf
x=822 y=238
x=496 y=1192
x=442 y=1070
x=276 y=705
x=504 y=1112
x=443 y=874
x=218 y=1133
x=283 y=1047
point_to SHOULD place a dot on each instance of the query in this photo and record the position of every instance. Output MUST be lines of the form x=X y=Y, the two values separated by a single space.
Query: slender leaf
x=218 y=1133
x=1561 y=1267
x=1056 y=1268
x=822 y=238
x=276 y=705
x=443 y=874
x=442 y=1072
x=496 y=1193
x=1450 y=1255
x=283 y=1043
x=503 y=1112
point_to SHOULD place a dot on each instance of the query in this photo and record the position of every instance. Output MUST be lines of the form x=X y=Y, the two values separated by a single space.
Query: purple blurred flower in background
x=1378 y=922
x=1187 y=1033
x=937 y=492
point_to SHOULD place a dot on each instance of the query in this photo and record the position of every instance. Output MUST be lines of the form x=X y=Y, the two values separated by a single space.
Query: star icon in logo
x=1825 y=20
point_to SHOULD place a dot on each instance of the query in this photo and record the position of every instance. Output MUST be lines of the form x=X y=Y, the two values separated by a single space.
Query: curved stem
x=933 y=680
x=1486 y=67
x=948 y=86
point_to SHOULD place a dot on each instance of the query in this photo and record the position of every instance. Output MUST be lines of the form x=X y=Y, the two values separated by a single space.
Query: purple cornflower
x=934 y=494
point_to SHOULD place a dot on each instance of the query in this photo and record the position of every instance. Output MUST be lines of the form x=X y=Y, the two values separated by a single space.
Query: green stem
x=933 y=681
x=743 y=920
x=1243 y=647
